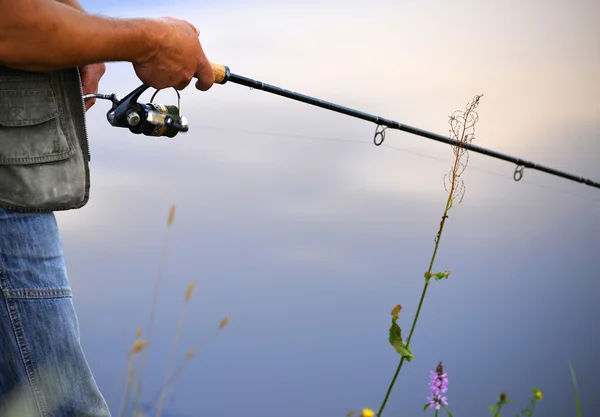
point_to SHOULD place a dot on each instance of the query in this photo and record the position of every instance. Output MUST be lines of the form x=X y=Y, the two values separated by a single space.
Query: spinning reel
x=150 y=119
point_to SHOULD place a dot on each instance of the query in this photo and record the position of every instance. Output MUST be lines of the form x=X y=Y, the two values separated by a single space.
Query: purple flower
x=438 y=383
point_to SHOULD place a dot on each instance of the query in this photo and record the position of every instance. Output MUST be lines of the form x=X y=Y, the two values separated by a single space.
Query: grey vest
x=44 y=151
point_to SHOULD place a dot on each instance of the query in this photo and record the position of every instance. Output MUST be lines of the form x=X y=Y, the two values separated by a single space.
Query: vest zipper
x=83 y=121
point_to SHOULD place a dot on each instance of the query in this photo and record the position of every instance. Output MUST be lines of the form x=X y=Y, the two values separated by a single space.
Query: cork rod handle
x=221 y=73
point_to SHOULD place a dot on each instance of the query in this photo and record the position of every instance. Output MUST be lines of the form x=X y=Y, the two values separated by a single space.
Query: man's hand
x=177 y=58
x=90 y=78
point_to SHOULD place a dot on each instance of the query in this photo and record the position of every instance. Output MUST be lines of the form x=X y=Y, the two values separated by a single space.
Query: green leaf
x=410 y=356
x=395 y=333
x=395 y=337
x=441 y=275
x=577 y=405
x=590 y=402
x=426 y=407
x=493 y=408
x=404 y=351
x=446 y=409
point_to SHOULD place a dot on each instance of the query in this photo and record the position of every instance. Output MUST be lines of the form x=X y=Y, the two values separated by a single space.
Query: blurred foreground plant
x=538 y=396
x=366 y=412
x=578 y=410
x=140 y=346
x=500 y=402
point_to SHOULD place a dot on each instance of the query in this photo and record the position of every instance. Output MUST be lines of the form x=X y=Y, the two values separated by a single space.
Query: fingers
x=182 y=85
x=204 y=74
x=203 y=85
x=180 y=59
x=89 y=103
x=206 y=78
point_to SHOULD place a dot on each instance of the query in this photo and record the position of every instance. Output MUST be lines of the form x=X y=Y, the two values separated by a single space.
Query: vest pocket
x=31 y=129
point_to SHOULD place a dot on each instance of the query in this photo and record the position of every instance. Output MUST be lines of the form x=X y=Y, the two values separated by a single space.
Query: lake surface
x=306 y=235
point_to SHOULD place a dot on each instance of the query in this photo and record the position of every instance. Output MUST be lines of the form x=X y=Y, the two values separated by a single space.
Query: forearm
x=58 y=36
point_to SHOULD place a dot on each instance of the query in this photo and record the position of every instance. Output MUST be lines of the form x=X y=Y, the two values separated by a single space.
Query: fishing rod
x=152 y=119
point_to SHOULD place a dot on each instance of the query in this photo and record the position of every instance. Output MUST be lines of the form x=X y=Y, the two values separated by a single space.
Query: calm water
x=308 y=268
x=307 y=243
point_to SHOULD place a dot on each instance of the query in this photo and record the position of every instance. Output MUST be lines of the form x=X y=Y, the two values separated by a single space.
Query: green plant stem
x=590 y=401
x=427 y=278
x=500 y=404
x=576 y=390
x=532 y=409
x=412 y=329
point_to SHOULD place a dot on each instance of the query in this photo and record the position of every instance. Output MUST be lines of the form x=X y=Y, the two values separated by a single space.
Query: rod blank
x=223 y=75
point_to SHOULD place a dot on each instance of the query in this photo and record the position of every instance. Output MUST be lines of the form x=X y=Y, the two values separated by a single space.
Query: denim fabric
x=43 y=370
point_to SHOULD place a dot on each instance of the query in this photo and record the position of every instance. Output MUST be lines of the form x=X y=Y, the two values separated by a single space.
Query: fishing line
x=394 y=148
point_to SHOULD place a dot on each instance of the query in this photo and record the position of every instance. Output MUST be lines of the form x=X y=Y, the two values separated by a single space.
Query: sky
x=295 y=225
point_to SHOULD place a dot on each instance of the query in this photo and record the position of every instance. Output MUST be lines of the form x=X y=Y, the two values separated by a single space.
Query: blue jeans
x=43 y=370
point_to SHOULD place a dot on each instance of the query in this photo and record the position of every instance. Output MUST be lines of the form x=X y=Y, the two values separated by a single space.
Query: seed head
x=439 y=369
x=224 y=322
x=189 y=291
x=138 y=346
x=171 y=215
